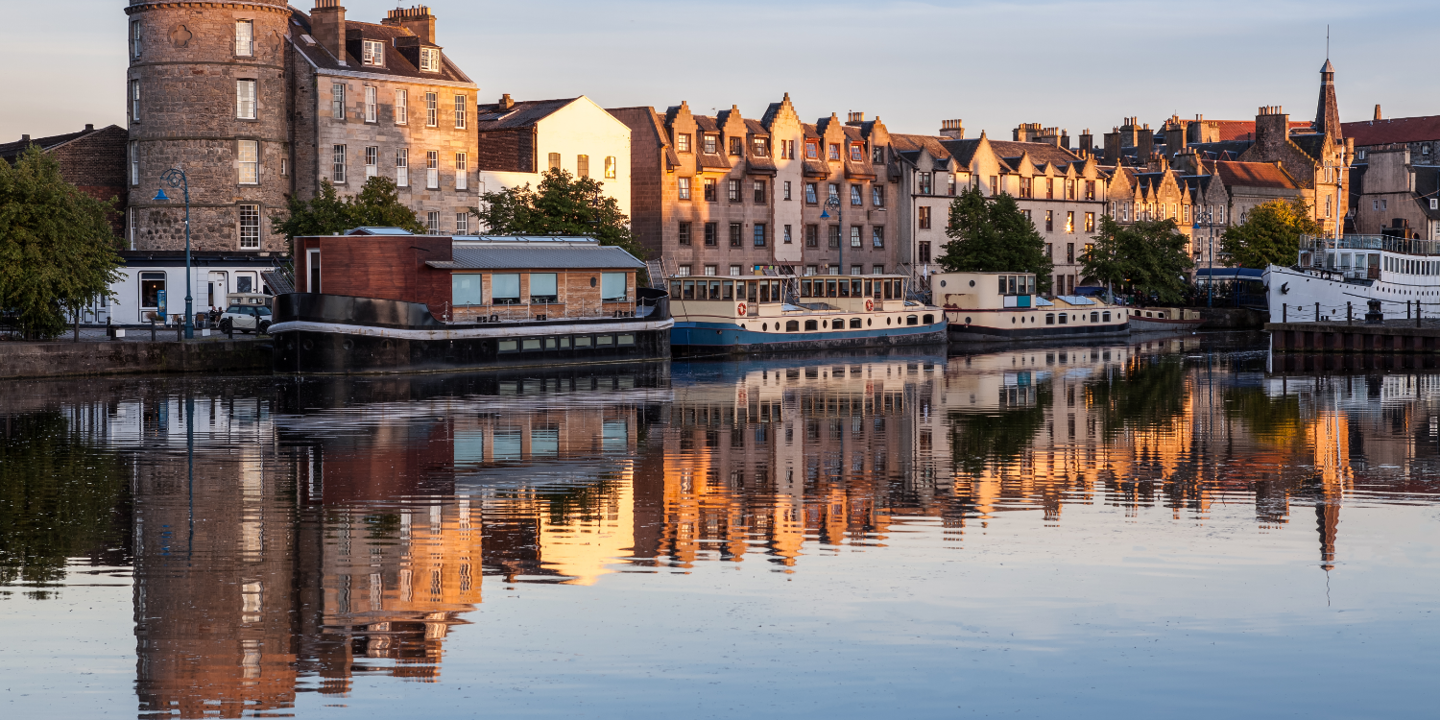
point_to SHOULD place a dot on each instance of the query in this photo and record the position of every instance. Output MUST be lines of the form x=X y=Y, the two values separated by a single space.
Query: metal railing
x=1385 y=243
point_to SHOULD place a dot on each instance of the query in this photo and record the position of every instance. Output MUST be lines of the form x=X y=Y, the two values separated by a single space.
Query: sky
x=1074 y=64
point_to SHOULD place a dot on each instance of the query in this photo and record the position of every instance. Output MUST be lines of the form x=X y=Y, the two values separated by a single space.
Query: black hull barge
x=339 y=335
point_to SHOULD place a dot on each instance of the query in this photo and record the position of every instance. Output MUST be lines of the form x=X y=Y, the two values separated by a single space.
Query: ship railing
x=1386 y=243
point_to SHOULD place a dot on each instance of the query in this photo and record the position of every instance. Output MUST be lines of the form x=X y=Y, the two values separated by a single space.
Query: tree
x=1148 y=258
x=57 y=246
x=562 y=205
x=377 y=205
x=994 y=236
x=1270 y=234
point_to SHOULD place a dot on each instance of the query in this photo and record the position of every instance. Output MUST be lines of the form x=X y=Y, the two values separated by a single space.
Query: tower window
x=248 y=156
x=249 y=227
x=245 y=99
x=134 y=163
x=430 y=59
x=134 y=101
x=135 y=38
x=245 y=38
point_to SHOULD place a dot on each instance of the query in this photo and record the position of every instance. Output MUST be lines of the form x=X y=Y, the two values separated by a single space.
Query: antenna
x=1327 y=42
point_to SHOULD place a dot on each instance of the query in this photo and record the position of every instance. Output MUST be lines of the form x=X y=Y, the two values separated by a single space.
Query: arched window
x=929 y=319
x=1049 y=318
x=1094 y=317
x=912 y=320
x=792 y=326
x=811 y=325
x=1106 y=316
x=838 y=324
x=855 y=323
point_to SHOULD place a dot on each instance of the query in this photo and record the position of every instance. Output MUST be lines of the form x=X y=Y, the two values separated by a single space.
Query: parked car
x=245 y=318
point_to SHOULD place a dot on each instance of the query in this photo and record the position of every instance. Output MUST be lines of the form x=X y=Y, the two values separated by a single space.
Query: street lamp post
x=176 y=178
x=834 y=202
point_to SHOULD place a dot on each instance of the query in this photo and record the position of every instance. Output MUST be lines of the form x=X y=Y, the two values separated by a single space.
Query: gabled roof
x=1398 y=130
x=523 y=114
x=907 y=146
x=396 y=64
x=645 y=119
x=12 y=150
x=1312 y=144
x=1254 y=174
x=1039 y=152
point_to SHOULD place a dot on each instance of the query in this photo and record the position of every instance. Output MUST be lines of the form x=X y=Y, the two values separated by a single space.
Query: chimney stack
x=1087 y=143
x=952 y=129
x=89 y=127
x=505 y=102
x=327 y=24
x=24 y=138
x=418 y=20
x=1377 y=111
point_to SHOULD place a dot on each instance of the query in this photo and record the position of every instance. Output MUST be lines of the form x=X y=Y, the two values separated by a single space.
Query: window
x=994 y=185
x=1027 y=187
x=462 y=171
x=710 y=144
x=1070 y=253
x=926 y=184
x=877 y=236
x=1089 y=189
x=582 y=166
x=735 y=229
x=857 y=152
x=610 y=167
x=684 y=235
x=245 y=38
x=712 y=234
x=337 y=100
x=1090 y=220
x=1049 y=221
x=429 y=60
x=612 y=287
x=810 y=193
x=856 y=198
x=248 y=157
x=373 y=53
x=712 y=271
x=402 y=167
x=372 y=160
x=460 y=114
x=833 y=151
x=505 y=289
x=759 y=234
x=760 y=147
x=249 y=227
x=465 y=289
x=1070 y=221
x=1184 y=214
x=855 y=236
x=370 y=103
x=735 y=272
x=759 y=188
x=877 y=155
x=134 y=101
x=707 y=189
x=812 y=151
x=924 y=217
x=337 y=166
x=552 y=161
x=135 y=38
x=432 y=222
x=682 y=142
x=732 y=190
x=787 y=190
x=788 y=239
x=543 y=288
x=834 y=189
x=1069 y=189
x=402 y=107
x=1050 y=188
x=245 y=99
x=432 y=109
x=877 y=195
x=432 y=170
x=834 y=239
x=812 y=236
x=950 y=181
x=134 y=163
x=462 y=223
x=683 y=185
x=925 y=252
x=737 y=146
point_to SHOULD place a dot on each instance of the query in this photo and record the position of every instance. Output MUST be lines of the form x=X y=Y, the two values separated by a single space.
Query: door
x=312 y=262
x=218 y=295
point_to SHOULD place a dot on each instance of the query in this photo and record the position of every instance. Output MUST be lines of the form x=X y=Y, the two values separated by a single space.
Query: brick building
x=258 y=101
x=93 y=160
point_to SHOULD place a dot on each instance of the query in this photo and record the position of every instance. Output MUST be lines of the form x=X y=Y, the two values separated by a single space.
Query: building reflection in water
x=346 y=526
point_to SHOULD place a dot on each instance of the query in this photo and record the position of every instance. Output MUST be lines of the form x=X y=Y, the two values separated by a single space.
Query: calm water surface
x=1160 y=529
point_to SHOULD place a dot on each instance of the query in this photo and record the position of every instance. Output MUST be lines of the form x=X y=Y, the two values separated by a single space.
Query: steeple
x=1327 y=114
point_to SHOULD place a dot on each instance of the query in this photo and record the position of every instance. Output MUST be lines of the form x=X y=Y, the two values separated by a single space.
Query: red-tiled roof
x=1254 y=174
x=1398 y=130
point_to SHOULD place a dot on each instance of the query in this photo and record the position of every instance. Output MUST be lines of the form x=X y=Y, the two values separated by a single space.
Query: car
x=245 y=318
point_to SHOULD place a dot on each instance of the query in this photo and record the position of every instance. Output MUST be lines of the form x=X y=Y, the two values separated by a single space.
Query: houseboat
x=1163 y=320
x=992 y=307
x=382 y=300
x=1336 y=278
x=786 y=313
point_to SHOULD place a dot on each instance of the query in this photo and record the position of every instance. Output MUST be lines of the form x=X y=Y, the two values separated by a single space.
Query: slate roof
x=396 y=64
x=564 y=257
x=646 y=117
x=11 y=150
x=1039 y=152
x=909 y=145
x=1312 y=144
x=522 y=114
x=1254 y=174
x=1427 y=186
x=1398 y=130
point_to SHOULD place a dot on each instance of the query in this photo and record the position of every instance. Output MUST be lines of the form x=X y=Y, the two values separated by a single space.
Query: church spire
x=1327 y=115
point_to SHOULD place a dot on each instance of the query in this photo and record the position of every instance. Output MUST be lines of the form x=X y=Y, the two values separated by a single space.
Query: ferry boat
x=382 y=300
x=1342 y=275
x=995 y=307
x=785 y=313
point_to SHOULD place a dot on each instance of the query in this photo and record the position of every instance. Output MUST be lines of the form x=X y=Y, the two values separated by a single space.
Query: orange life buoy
x=869 y=305
x=741 y=309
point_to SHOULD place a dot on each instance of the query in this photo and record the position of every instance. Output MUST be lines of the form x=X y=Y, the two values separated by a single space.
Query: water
x=1155 y=529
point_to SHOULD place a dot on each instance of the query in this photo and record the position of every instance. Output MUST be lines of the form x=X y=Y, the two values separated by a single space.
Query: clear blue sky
x=1073 y=64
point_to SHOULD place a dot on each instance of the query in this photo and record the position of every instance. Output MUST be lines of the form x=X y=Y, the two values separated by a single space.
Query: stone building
x=728 y=195
x=93 y=160
x=1394 y=186
x=257 y=101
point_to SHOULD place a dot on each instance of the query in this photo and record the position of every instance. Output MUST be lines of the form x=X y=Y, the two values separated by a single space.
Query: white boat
x=1336 y=278
x=993 y=307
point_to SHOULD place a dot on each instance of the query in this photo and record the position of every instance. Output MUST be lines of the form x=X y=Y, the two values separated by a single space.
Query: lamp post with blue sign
x=176 y=178
x=834 y=202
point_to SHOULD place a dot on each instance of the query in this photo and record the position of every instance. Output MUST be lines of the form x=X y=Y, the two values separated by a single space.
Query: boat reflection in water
x=331 y=528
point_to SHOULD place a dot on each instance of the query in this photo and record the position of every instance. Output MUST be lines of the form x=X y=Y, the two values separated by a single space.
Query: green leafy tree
x=562 y=205
x=1148 y=258
x=377 y=205
x=57 y=246
x=1270 y=234
x=994 y=236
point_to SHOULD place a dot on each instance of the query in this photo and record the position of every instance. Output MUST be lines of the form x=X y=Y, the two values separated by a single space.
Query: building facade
x=520 y=140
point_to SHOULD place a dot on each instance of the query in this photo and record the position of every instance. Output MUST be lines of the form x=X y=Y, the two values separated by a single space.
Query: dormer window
x=762 y=147
x=373 y=52
x=857 y=152
x=430 y=59
x=812 y=152
x=712 y=142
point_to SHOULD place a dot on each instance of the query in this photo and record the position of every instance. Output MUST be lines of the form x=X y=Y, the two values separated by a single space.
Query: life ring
x=740 y=309
x=869 y=305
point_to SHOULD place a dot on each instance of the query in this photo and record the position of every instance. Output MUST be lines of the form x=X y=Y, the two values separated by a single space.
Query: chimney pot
x=25 y=138
x=1377 y=111
x=89 y=127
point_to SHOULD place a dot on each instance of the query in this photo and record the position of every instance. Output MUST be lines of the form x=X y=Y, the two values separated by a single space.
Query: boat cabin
x=986 y=290
x=469 y=278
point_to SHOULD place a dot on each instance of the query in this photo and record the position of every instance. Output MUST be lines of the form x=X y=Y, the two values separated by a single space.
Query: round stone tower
x=206 y=93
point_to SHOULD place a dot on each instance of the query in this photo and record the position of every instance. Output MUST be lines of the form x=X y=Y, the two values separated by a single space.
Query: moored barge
x=994 y=307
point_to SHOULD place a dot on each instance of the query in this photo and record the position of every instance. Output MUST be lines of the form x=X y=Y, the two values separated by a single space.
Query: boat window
x=792 y=326
x=727 y=290
x=1003 y=284
x=530 y=344
x=505 y=288
x=1106 y=316
x=856 y=287
x=811 y=325
x=675 y=289
x=508 y=346
x=775 y=291
x=1094 y=317
x=838 y=324
x=604 y=340
x=912 y=320
x=583 y=341
x=1063 y=317
x=551 y=343
x=612 y=287
x=714 y=289
x=868 y=289
x=831 y=289
x=625 y=339
x=1049 y=318
x=855 y=323
x=764 y=292
x=844 y=289
x=465 y=289
x=689 y=290
x=543 y=288
x=564 y=343
x=804 y=288
x=929 y=319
